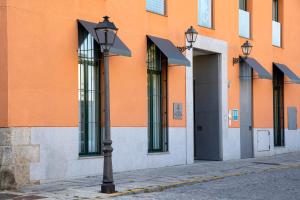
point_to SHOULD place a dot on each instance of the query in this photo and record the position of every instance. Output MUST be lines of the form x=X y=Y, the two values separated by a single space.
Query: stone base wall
x=16 y=155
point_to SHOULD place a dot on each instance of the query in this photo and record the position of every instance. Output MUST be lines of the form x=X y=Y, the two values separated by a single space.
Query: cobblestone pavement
x=277 y=184
x=173 y=181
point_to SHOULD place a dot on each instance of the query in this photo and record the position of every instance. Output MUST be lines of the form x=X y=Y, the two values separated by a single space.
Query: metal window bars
x=89 y=94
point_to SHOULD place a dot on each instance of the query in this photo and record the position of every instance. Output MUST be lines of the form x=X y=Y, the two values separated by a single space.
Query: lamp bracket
x=183 y=49
x=236 y=60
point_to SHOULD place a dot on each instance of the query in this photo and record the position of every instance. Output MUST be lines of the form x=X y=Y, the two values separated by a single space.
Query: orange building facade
x=215 y=110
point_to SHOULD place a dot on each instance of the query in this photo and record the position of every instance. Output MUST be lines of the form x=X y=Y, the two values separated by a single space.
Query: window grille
x=157 y=100
x=89 y=100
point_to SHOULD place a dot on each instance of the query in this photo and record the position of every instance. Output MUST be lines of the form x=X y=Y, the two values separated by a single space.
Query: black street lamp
x=106 y=33
x=191 y=36
x=246 y=49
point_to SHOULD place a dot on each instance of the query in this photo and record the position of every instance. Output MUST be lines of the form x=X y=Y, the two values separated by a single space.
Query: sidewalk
x=150 y=180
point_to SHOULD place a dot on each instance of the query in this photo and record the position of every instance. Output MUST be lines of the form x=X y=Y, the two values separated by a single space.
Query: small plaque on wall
x=292 y=118
x=177 y=111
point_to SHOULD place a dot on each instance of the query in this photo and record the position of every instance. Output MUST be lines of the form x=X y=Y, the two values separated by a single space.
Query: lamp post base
x=108 y=188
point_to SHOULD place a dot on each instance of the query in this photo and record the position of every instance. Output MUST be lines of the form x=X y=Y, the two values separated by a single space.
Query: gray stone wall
x=16 y=155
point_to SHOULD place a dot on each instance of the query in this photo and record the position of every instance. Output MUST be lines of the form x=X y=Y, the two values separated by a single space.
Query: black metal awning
x=291 y=75
x=119 y=48
x=174 y=56
x=262 y=72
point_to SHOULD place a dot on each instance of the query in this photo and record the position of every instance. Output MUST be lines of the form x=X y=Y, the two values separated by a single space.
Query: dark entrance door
x=246 y=111
x=206 y=107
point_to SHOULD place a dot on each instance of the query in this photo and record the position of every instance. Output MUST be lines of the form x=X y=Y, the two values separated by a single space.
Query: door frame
x=221 y=48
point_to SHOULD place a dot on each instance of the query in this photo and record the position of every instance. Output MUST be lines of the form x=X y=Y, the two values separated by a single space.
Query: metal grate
x=89 y=93
x=157 y=99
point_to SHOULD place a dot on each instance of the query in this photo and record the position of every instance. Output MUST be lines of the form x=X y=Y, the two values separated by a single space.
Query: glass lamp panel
x=195 y=37
x=189 y=37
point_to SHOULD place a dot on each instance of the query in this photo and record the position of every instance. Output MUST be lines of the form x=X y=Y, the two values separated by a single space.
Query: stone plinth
x=16 y=155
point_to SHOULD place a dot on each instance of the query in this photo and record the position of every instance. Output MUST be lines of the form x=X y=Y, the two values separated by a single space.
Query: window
x=243 y=5
x=278 y=106
x=205 y=13
x=157 y=100
x=156 y=6
x=244 y=19
x=89 y=94
x=275 y=11
x=276 y=26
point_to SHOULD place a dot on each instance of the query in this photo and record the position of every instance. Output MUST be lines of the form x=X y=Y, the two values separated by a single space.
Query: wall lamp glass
x=246 y=49
x=191 y=36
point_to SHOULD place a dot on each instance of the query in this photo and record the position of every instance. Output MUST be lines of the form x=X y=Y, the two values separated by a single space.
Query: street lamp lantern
x=246 y=49
x=191 y=36
x=106 y=33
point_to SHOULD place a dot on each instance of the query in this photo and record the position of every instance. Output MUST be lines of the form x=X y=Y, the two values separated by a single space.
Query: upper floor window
x=156 y=6
x=244 y=19
x=276 y=26
x=243 y=5
x=275 y=11
x=205 y=13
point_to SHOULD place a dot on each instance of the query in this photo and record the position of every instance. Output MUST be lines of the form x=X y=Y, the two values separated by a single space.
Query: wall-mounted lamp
x=191 y=36
x=246 y=49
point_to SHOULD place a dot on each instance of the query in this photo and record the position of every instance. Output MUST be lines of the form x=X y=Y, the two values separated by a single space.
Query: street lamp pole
x=109 y=30
x=108 y=185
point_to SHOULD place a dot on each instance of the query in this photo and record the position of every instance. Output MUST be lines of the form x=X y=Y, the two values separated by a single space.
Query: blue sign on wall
x=235 y=114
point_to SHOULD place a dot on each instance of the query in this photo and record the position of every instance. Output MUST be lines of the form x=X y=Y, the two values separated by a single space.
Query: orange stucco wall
x=42 y=57
x=3 y=65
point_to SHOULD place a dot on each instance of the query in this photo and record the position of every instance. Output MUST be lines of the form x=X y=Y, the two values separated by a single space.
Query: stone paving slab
x=149 y=180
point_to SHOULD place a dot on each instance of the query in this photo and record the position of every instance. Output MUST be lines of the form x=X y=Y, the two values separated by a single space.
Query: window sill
x=158 y=153
x=245 y=37
x=90 y=157
x=152 y=12
x=279 y=147
x=206 y=27
x=278 y=47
